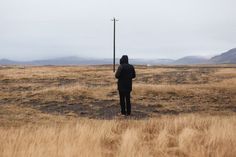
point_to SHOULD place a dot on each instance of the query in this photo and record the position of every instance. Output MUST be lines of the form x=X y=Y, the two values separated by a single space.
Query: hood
x=124 y=59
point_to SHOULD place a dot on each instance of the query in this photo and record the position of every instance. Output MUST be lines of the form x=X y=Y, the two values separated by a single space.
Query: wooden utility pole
x=114 y=44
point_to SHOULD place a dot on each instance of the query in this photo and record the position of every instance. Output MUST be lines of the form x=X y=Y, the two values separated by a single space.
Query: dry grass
x=86 y=91
x=73 y=111
x=190 y=135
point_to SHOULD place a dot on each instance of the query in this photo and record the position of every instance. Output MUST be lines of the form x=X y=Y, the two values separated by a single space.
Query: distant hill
x=190 y=60
x=72 y=60
x=7 y=62
x=228 y=57
x=84 y=61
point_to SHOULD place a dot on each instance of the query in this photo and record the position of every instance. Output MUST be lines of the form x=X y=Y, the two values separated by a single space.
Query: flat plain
x=74 y=111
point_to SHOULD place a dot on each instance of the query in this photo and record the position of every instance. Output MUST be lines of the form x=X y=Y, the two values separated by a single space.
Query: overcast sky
x=39 y=29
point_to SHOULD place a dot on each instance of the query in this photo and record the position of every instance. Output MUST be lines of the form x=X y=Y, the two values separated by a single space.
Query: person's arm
x=134 y=73
x=118 y=72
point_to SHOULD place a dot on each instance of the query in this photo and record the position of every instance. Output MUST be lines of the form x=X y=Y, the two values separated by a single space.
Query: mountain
x=7 y=62
x=72 y=60
x=228 y=57
x=83 y=61
x=190 y=60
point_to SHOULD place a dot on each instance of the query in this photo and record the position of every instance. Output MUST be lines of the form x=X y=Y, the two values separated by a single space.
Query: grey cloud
x=33 y=29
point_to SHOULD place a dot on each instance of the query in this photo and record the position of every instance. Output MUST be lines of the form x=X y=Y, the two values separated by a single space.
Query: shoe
x=121 y=114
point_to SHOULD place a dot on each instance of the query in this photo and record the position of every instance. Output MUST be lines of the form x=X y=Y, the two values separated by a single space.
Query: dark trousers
x=125 y=103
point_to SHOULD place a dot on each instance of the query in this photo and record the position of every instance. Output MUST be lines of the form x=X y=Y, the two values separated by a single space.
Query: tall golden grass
x=167 y=136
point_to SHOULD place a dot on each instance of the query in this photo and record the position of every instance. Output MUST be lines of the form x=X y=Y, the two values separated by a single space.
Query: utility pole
x=114 y=44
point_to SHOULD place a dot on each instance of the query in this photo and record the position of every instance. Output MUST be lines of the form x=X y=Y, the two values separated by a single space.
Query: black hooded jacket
x=125 y=73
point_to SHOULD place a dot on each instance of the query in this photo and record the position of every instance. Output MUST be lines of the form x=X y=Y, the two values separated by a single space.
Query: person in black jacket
x=125 y=73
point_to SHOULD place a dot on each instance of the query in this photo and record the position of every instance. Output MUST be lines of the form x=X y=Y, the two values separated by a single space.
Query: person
x=125 y=73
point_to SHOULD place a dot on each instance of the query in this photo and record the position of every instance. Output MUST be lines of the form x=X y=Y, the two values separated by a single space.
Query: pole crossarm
x=114 y=19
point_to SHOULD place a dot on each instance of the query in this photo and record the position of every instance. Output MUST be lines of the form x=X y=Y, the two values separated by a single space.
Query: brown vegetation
x=90 y=91
x=183 y=136
x=73 y=111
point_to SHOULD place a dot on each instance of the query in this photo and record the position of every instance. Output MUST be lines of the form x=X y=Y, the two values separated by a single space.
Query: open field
x=91 y=91
x=73 y=111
